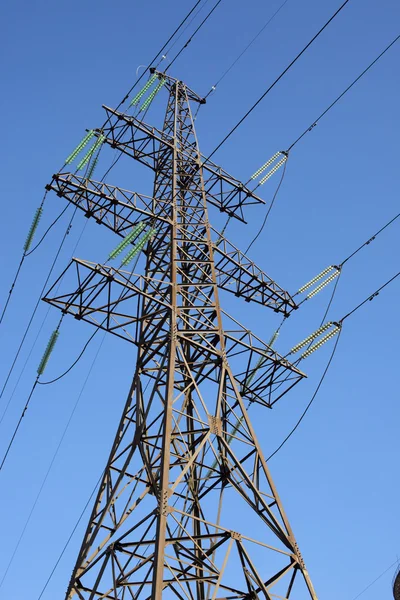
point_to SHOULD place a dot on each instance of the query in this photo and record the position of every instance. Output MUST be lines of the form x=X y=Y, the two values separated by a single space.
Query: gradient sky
x=338 y=475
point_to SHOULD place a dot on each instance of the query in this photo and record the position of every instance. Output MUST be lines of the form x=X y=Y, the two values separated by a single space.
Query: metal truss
x=120 y=210
x=186 y=507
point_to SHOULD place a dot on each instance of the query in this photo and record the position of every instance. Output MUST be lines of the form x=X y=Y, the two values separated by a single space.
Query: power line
x=371 y=239
x=122 y=101
x=375 y=580
x=343 y=93
x=277 y=80
x=73 y=364
x=370 y=297
x=269 y=210
x=18 y=424
x=225 y=73
x=310 y=402
x=193 y=34
x=38 y=302
x=160 y=51
x=53 y=459
x=70 y=537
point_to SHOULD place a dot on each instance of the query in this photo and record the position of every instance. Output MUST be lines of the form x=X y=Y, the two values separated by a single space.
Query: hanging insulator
x=323 y=284
x=91 y=151
x=311 y=337
x=138 y=247
x=273 y=339
x=33 y=228
x=153 y=94
x=47 y=352
x=129 y=238
x=92 y=167
x=273 y=170
x=144 y=89
x=322 y=341
x=80 y=146
x=316 y=278
x=253 y=372
x=265 y=165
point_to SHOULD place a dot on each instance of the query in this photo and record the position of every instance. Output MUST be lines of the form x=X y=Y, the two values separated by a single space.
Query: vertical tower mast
x=186 y=507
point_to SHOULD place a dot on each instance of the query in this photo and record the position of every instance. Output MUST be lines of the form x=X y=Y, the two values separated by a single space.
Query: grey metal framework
x=186 y=507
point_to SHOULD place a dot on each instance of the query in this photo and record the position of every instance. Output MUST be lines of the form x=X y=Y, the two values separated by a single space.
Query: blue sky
x=337 y=476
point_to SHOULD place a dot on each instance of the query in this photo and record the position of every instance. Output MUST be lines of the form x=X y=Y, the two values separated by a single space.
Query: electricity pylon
x=186 y=507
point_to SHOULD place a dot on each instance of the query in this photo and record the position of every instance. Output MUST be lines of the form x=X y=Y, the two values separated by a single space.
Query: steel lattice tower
x=186 y=507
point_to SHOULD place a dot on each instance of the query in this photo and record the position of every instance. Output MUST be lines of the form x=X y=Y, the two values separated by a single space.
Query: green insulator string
x=47 y=353
x=127 y=240
x=138 y=247
x=92 y=167
x=33 y=228
x=144 y=89
x=42 y=365
x=79 y=147
x=153 y=94
x=90 y=152
x=28 y=242
x=273 y=339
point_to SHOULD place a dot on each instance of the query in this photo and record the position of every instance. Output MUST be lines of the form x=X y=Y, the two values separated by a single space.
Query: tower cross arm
x=237 y=274
x=146 y=144
x=116 y=208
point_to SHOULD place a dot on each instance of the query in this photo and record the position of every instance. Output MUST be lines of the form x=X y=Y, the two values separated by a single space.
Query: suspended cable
x=50 y=346
x=333 y=272
x=277 y=80
x=38 y=334
x=370 y=297
x=42 y=365
x=12 y=288
x=314 y=123
x=122 y=101
x=53 y=459
x=73 y=364
x=183 y=30
x=19 y=423
x=194 y=33
x=25 y=253
x=310 y=402
x=377 y=579
x=160 y=52
x=37 y=303
x=268 y=211
x=47 y=231
x=371 y=239
x=225 y=73
x=70 y=537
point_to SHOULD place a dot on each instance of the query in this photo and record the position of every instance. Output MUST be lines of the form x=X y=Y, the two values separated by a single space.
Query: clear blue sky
x=338 y=476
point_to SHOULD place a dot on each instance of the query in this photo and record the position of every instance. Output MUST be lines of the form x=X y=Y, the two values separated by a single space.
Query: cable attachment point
x=274 y=165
